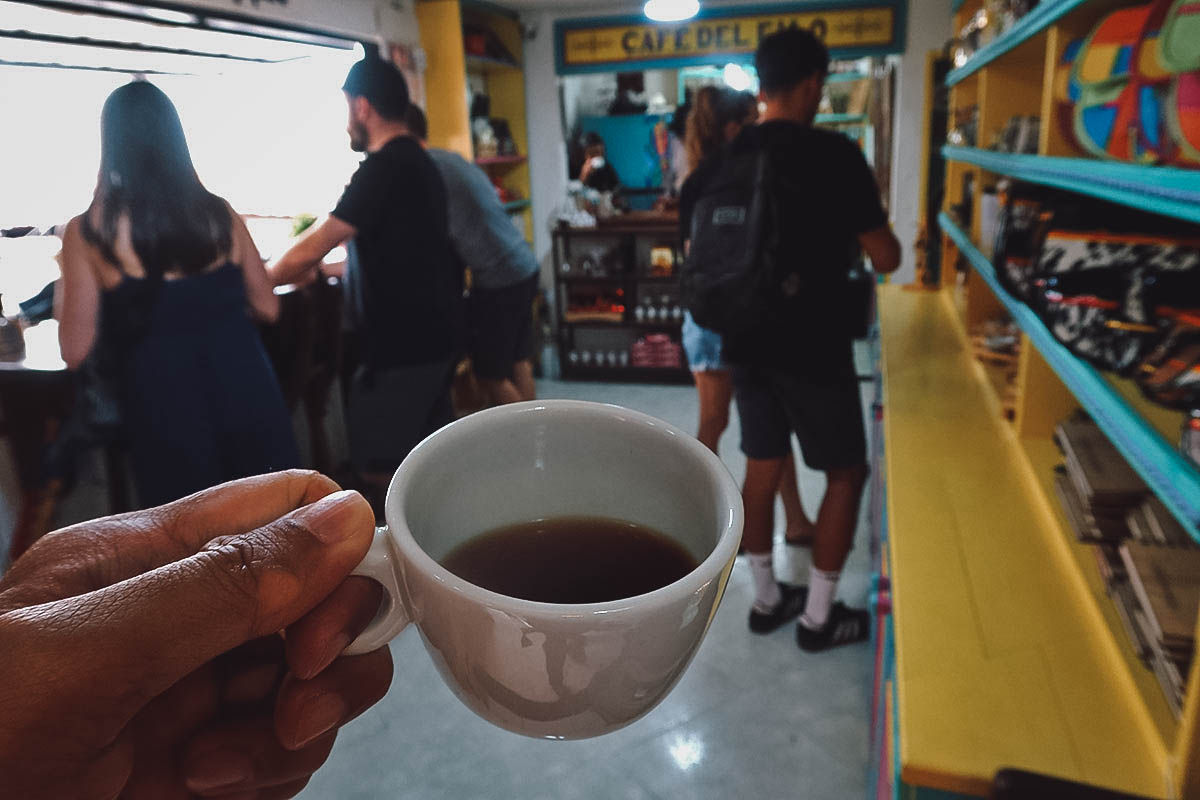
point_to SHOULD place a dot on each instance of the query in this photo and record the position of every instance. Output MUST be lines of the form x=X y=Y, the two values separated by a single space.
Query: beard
x=358 y=137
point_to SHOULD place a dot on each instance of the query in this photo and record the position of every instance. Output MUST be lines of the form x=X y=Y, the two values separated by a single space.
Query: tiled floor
x=753 y=717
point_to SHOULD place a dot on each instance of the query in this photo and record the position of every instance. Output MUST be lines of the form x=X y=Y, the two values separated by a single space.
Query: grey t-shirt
x=480 y=228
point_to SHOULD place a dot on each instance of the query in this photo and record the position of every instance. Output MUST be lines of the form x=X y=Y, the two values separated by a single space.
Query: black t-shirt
x=404 y=279
x=828 y=196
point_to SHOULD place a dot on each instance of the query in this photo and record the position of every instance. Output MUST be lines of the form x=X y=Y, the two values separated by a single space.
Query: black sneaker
x=790 y=607
x=844 y=626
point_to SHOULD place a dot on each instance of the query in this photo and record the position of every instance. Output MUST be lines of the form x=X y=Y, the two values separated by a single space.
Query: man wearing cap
x=404 y=283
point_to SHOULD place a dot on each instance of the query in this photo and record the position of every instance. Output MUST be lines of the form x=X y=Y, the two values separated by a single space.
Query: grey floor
x=753 y=717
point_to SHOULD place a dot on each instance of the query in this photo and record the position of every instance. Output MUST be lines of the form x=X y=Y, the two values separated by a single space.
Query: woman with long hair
x=717 y=116
x=160 y=280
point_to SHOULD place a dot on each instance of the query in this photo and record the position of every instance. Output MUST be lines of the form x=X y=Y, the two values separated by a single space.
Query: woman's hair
x=713 y=109
x=704 y=134
x=146 y=175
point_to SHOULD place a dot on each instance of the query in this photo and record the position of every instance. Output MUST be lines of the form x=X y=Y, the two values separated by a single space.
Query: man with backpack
x=775 y=224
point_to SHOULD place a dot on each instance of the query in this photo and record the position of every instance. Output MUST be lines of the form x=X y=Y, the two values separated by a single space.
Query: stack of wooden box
x=1149 y=564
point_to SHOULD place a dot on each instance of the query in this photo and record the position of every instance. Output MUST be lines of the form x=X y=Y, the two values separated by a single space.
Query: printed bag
x=1122 y=86
x=1097 y=292
x=1183 y=117
x=1170 y=375
x=1179 y=46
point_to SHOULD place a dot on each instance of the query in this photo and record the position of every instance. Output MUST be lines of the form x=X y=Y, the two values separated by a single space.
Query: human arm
x=143 y=653
x=305 y=256
x=862 y=205
x=259 y=289
x=882 y=247
x=77 y=304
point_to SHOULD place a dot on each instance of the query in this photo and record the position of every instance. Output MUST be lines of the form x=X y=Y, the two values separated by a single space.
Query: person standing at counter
x=404 y=283
x=795 y=373
x=504 y=274
x=160 y=281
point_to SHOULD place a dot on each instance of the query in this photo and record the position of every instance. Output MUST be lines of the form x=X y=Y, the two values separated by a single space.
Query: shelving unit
x=1035 y=22
x=1165 y=470
x=1170 y=191
x=625 y=253
x=1003 y=648
x=452 y=74
x=500 y=161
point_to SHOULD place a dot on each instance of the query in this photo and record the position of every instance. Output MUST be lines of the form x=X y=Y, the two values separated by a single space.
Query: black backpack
x=729 y=281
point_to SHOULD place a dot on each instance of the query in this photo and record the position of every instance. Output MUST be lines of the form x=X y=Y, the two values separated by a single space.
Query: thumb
x=131 y=641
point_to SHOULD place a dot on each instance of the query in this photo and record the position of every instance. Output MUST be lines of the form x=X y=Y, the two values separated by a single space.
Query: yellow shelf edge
x=917 y=770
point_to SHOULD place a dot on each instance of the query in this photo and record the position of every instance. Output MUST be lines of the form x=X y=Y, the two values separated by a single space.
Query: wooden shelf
x=489 y=65
x=1171 y=191
x=599 y=323
x=1045 y=14
x=619 y=279
x=1164 y=469
x=496 y=161
x=1001 y=656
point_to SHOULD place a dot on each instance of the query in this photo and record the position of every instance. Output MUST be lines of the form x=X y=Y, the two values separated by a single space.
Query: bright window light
x=737 y=78
x=671 y=10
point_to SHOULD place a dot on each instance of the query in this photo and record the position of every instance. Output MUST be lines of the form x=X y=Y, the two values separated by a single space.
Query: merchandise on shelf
x=1125 y=300
x=658 y=351
x=965 y=130
x=1020 y=135
x=1130 y=90
x=1151 y=568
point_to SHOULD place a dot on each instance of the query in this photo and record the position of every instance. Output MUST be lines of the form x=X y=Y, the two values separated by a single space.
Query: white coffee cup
x=542 y=669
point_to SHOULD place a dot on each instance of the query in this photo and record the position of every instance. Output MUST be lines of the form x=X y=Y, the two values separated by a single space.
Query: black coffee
x=571 y=560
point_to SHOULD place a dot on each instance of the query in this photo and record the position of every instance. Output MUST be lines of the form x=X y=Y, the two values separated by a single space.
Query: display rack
x=1003 y=648
x=452 y=74
x=1170 y=191
x=1174 y=479
x=1035 y=22
x=627 y=280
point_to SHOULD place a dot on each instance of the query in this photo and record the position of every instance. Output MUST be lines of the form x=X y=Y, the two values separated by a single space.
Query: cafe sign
x=613 y=44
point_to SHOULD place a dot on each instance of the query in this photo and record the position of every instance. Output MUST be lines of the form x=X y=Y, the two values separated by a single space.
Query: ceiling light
x=671 y=10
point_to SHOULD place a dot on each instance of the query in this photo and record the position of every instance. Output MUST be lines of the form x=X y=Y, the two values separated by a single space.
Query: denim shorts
x=703 y=347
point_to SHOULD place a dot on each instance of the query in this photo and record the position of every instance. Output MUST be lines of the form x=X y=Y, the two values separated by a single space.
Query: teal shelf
x=1168 y=474
x=516 y=205
x=1171 y=191
x=844 y=77
x=1043 y=16
x=839 y=119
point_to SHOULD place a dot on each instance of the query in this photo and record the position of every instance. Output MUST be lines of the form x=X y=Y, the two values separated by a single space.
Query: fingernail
x=332 y=650
x=217 y=768
x=317 y=716
x=336 y=517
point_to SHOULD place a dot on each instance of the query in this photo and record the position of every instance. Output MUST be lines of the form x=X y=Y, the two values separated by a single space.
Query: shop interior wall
x=927 y=26
x=927 y=20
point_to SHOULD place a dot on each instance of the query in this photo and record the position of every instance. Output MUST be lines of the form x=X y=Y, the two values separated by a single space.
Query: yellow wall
x=445 y=76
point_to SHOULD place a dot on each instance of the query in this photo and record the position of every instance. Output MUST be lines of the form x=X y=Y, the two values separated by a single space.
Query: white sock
x=822 y=586
x=766 y=589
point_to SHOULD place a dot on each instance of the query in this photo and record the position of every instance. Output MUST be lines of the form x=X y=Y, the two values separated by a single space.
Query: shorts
x=501 y=322
x=392 y=410
x=702 y=346
x=825 y=412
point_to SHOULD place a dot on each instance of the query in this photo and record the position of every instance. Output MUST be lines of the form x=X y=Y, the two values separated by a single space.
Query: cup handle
x=391 y=618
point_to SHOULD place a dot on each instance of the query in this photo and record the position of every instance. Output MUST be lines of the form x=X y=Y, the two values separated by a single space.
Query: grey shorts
x=393 y=409
x=824 y=412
